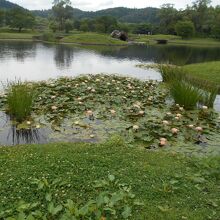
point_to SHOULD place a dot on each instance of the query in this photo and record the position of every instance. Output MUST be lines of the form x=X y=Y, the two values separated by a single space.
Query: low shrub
x=48 y=36
x=19 y=100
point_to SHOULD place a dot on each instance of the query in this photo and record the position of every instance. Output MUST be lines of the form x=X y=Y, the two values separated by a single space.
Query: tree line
x=200 y=19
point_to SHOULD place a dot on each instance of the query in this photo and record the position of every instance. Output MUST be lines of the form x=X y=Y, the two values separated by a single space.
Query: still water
x=39 y=61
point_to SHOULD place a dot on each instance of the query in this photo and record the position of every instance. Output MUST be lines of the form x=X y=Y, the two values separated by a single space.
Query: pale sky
x=94 y=5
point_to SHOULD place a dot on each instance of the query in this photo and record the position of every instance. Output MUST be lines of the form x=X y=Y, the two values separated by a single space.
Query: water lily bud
x=181 y=108
x=54 y=108
x=97 y=80
x=141 y=112
x=168 y=113
x=136 y=106
x=77 y=85
x=179 y=115
x=108 y=84
x=37 y=126
x=177 y=118
x=80 y=103
x=53 y=97
x=177 y=105
x=163 y=142
x=191 y=126
x=204 y=107
x=83 y=83
x=199 y=129
x=117 y=88
x=89 y=88
x=113 y=111
x=92 y=136
x=93 y=90
x=79 y=98
x=76 y=123
x=174 y=130
x=132 y=91
x=89 y=112
x=28 y=123
x=165 y=122
x=69 y=86
x=135 y=127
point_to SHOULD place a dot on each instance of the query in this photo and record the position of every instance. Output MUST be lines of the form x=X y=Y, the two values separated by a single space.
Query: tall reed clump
x=20 y=98
x=185 y=94
x=171 y=72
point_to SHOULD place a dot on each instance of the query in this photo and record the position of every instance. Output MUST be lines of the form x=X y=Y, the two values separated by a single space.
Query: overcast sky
x=93 y=5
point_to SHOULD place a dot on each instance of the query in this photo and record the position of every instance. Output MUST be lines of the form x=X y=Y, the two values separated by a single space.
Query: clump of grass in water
x=19 y=100
x=185 y=94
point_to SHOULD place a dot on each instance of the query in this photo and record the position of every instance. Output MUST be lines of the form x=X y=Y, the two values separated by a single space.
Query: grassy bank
x=209 y=71
x=172 y=39
x=190 y=191
x=92 y=38
x=20 y=36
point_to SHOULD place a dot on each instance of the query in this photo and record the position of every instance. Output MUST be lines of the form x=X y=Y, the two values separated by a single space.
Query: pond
x=38 y=61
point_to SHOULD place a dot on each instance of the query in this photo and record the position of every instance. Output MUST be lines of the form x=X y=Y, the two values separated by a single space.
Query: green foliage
x=54 y=26
x=48 y=36
x=185 y=29
x=142 y=29
x=68 y=25
x=20 y=18
x=20 y=98
x=2 y=16
x=170 y=72
x=115 y=201
x=62 y=11
x=185 y=94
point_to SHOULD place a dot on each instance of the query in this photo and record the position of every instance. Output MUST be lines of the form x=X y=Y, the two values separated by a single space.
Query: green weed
x=185 y=94
x=19 y=100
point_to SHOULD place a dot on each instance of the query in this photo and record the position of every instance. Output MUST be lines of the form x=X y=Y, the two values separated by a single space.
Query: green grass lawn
x=20 y=36
x=171 y=186
x=92 y=38
x=209 y=71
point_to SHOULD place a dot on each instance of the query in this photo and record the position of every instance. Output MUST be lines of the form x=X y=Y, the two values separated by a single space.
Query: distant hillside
x=8 y=5
x=122 y=14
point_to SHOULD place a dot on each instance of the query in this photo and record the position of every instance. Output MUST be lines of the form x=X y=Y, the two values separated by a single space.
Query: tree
x=54 y=26
x=20 y=18
x=168 y=18
x=142 y=29
x=68 y=25
x=62 y=11
x=2 y=17
x=185 y=29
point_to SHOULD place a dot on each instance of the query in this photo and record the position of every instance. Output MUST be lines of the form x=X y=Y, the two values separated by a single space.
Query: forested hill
x=122 y=14
x=7 y=5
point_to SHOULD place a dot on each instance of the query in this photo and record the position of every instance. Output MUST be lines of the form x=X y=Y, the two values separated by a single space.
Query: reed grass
x=185 y=94
x=20 y=99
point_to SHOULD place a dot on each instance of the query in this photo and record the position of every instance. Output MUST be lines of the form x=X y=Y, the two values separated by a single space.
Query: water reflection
x=18 y=51
x=21 y=136
x=63 y=57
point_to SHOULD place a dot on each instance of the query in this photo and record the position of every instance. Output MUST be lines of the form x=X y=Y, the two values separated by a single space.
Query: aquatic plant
x=185 y=94
x=19 y=100
x=171 y=72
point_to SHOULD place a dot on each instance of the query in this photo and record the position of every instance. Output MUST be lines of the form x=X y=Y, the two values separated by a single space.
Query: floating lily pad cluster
x=93 y=107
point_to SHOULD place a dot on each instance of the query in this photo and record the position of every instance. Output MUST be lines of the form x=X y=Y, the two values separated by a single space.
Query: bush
x=19 y=100
x=47 y=36
x=185 y=29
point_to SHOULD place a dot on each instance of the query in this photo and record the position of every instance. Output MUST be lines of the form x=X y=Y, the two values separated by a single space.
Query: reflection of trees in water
x=24 y=136
x=179 y=55
x=18 y=50
x=63 y=56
